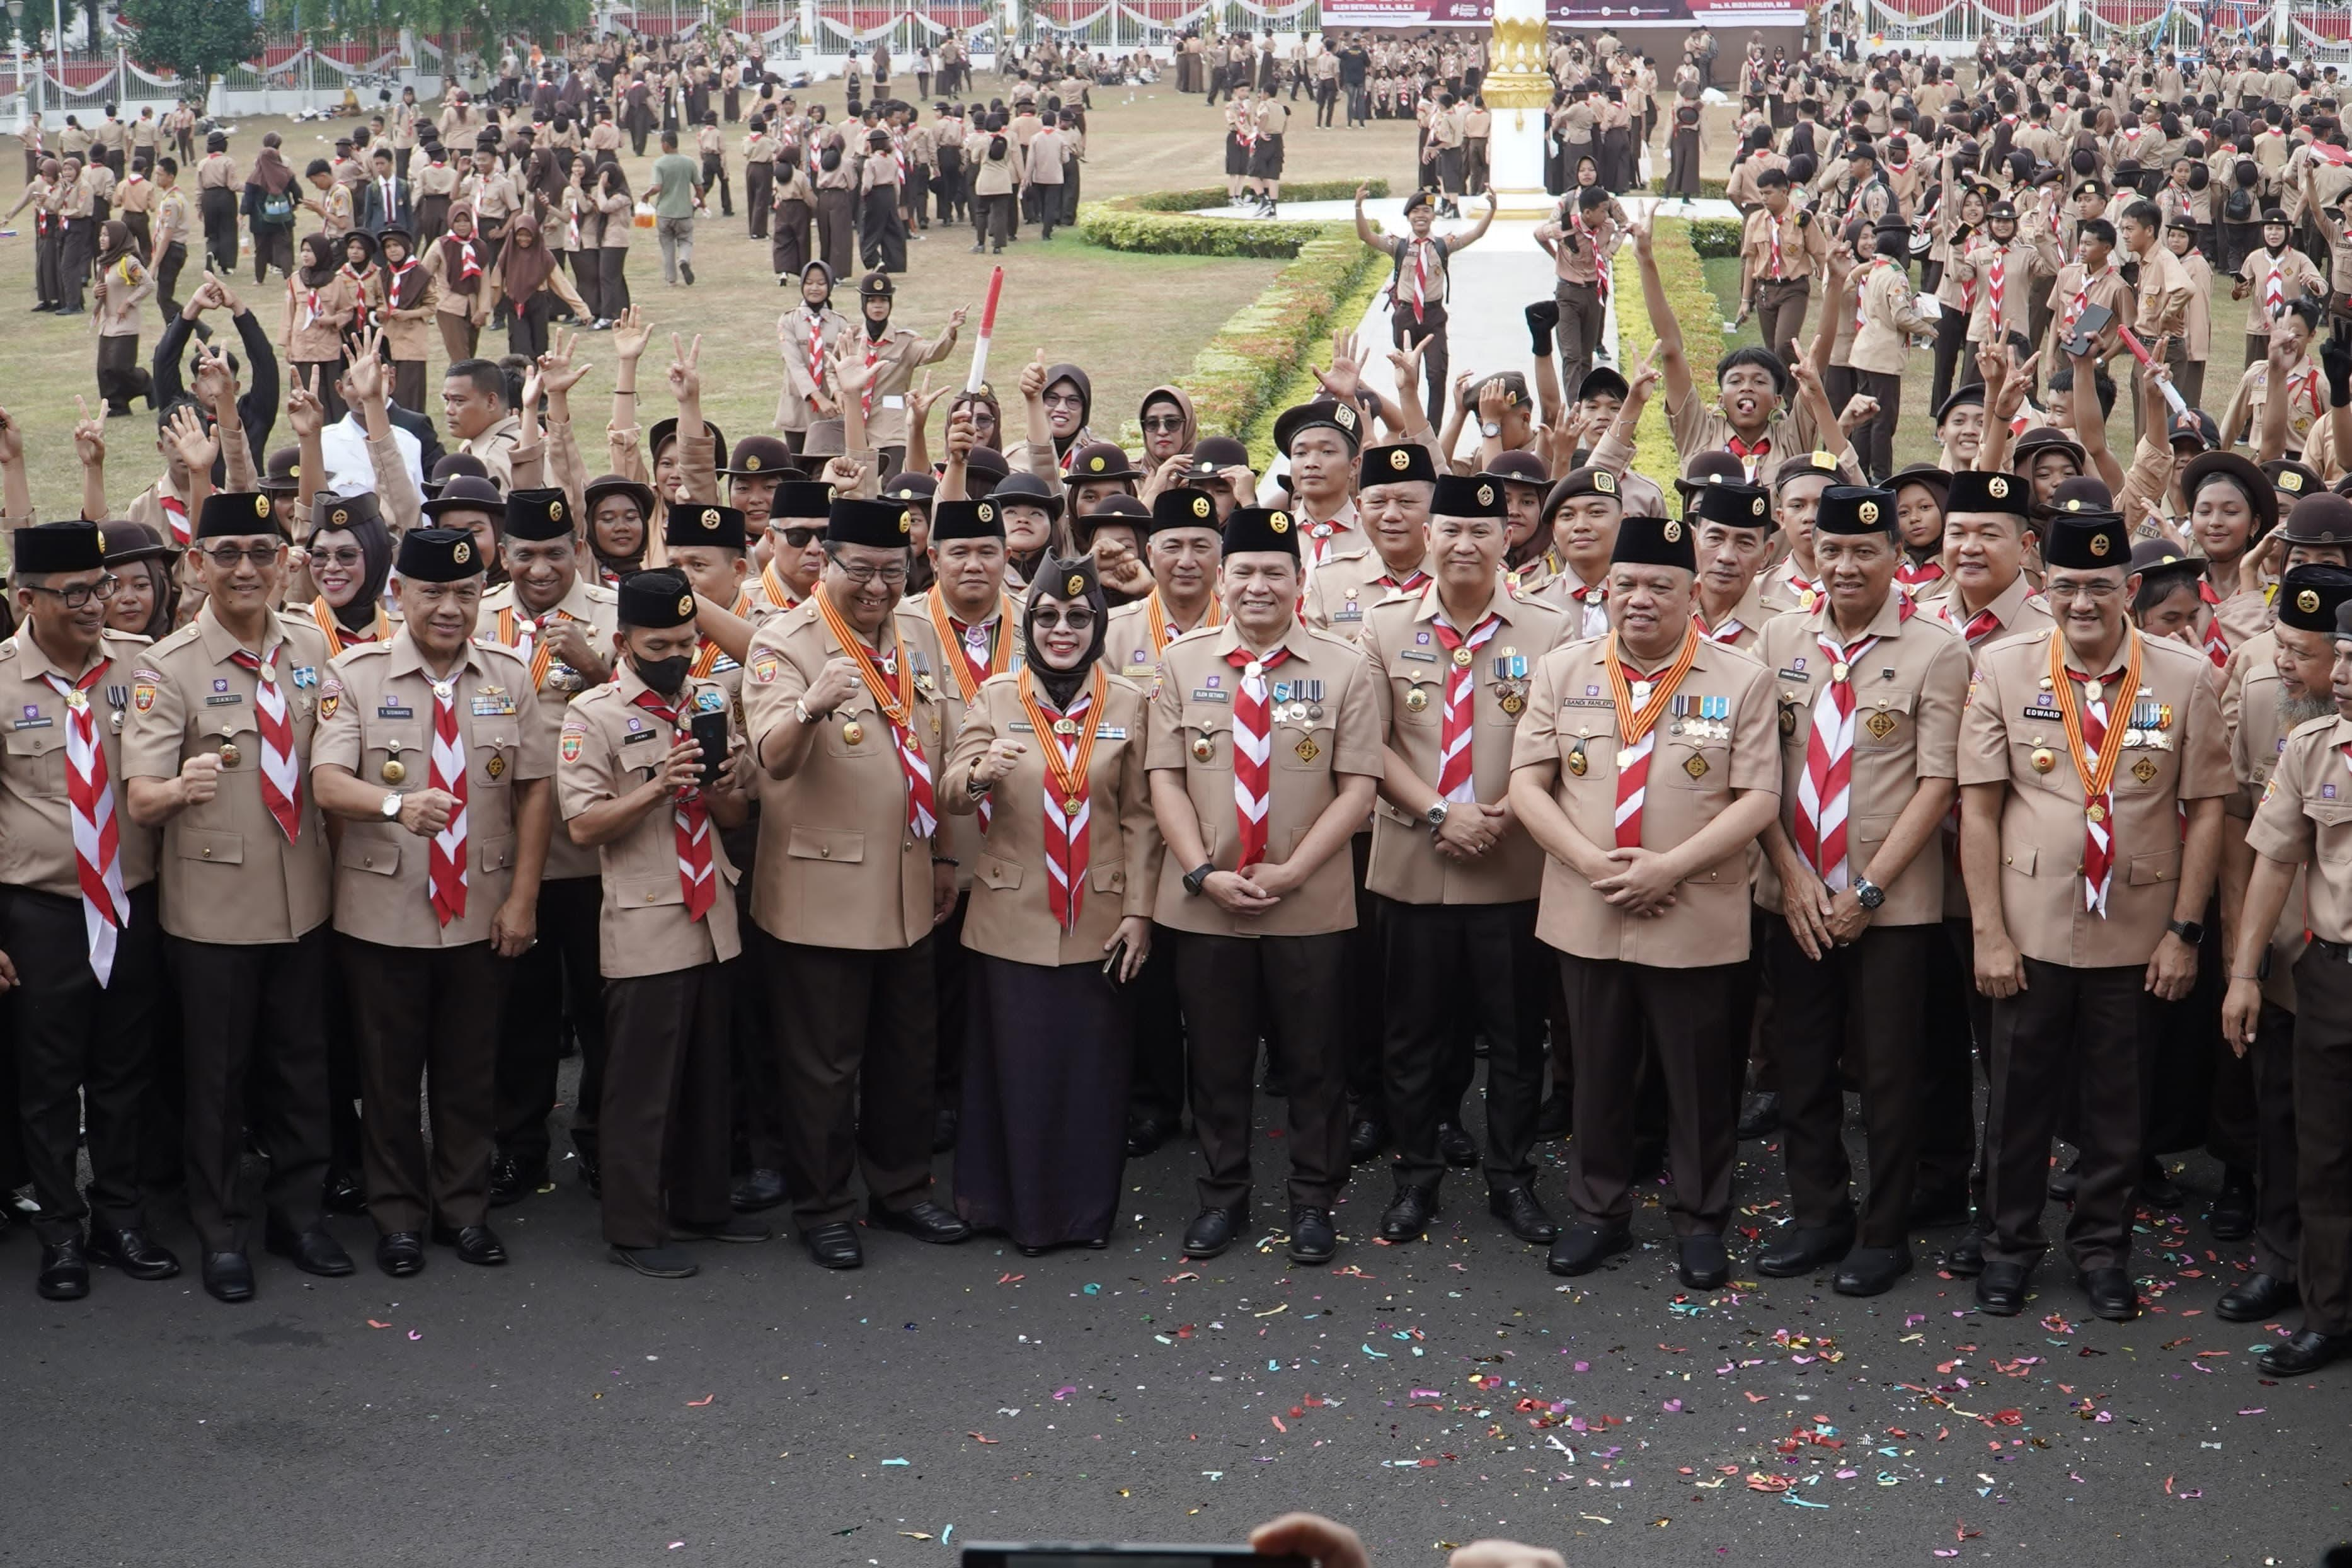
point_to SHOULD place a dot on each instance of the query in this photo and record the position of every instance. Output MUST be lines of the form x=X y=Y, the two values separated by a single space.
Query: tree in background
x=195 y=41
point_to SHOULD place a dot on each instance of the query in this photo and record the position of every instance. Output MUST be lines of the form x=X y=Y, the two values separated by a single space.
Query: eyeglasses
x=1048 y=618
x=1064 y=399
x=2061 y=589
x=801 y=538
x=227 y=556
x=865 y=572
x=347 y=556
x=80 y=593
x=1170 y=424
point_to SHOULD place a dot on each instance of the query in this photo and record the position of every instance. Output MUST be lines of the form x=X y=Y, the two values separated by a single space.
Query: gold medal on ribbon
x=1201 y=747
x=1576 y=762
x=1416 y=699
x=1462 y=657
x=2043 y=760
x=229 y=754
x=853 y=732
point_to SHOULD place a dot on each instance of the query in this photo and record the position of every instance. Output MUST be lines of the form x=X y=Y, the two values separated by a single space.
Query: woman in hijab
x=217 y=205
x=987 y=418
x=456 y=263
x=319 y=303
x=349 y=562
x=526 y=276
x=146 y=601
x=1061 y=401
x=123 y=285
x=584 y=228
x=270 y=208
x=619 y=211
x=1169 y=429
x=793 y=203
x=411 y=300
x=1060 y=916
x=807 y=336
x=617 y=510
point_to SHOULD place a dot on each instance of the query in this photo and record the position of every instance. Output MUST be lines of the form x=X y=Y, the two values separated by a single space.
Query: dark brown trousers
x=428 y=1026
x=663 y=1124
x=1237 y=990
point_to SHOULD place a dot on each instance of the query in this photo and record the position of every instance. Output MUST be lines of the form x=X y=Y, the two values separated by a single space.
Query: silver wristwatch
x=391 y=805
x=1435 y=816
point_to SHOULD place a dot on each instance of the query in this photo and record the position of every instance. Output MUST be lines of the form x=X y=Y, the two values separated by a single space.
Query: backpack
x=2238 y=206
x=1445 y=272
x=278 y=208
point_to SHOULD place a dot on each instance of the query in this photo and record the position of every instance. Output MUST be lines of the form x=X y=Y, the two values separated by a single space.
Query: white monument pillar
x=1517 y=90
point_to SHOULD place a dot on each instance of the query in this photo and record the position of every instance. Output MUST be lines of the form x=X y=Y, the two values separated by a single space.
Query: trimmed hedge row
x=1248 y=371
x=1694 y=306
x=1215 y=195
x=1706 y=188
x=1165 y=222
x=1716 y=238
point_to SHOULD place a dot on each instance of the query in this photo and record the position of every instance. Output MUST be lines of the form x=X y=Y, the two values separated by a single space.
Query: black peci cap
x=694 y=523
x=2086 y=541
x=1654 y=541
x=234 y=514
x=1261 y=529
x=1474 y=496
x=1733 y=505
x=966 y=520
x=881 y=525
x=2309 y=597
x=1975 y=490
x=43 y=547
x=1396 y=465
x=439 y=555
x=1182 y=508
x=1855 y=509
x=537 y=515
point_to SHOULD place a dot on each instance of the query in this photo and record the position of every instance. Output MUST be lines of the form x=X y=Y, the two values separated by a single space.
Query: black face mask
x=662 y=676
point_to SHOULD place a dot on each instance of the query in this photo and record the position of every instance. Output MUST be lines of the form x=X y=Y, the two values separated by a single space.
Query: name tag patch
x=232 y=700
x=394 y=710
x=2047 y=715
x=1202 y=695
x=1417 y=654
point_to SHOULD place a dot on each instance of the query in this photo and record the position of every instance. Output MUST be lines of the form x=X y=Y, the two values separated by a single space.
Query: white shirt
x=343 y=448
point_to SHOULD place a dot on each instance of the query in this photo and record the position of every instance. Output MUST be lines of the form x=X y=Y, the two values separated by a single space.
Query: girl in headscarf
x=270 y=208
x=583 y=237
x=319 y=303
x=619 y=210
x=794 y=201
x=457 y=265
x=617 y=513
x=807 y=337
x=987 y=418
x=348 y=564
x=409 y=300
x=146 y=600
x=123 y=285
x=1043 y=1140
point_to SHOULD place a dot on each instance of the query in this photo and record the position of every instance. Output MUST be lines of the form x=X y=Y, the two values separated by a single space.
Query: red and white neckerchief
x=1997 y=284
x=2183 y=215
x=282 y=780
x=2217 y=645
x=1641 y=701
x=2094 y=744
x=816 y=345
x=1453 y=760
x=691 y=816
x=469 y=260
x=1318 y=541
x=1593 y=602
x=1772 y=240
x=2081 y=296
x=1751 y=455
x=1728 y=634
x=889 y=681
x=2275 y=286
x=1420 y=248
x=1407 y=582
x=446 y=871
x=865 y=398
x=1916 y=574
x=400 y=278
x=176 y=513
x=1980 y=625
x=1826 y=787
x=2303 y=383
x=1253 y=745
x=1066 y=739
x=89 y=797
x=1809 y=593
x=309 y=308
x=360 y=313
x=1600 y=263
x=898 y=155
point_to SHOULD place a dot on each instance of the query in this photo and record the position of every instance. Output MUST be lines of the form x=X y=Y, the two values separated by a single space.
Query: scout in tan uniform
x=1264 y=756
x=555 y=622
x=854 y=871
x=2284 y=686
x=1870 y=690
x=1181 y=546
x=1451 y=666
x=1584 y=511
x=795 y=546
x=79 y=922
x=1735 y=539
x=432 y=752
x=2301 y=822
x=1796 y=486
x=1391 y=556
x=636 y=787
x=1749 y=420
x=1321 y=440
x=2085 y=894
x=214 y=750
x=1644 y=887
x=892 y=355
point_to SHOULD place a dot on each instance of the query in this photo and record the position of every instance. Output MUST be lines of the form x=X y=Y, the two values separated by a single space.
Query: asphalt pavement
x=562 y=1410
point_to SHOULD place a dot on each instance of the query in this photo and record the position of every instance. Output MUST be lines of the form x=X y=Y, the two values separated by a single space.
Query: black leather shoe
x=2307 y=1350
x=2063 y=1184
x=65 y=1270
x=924 y=1220
x=1703 y=1265
x=1871 y=1270
x=1581 y=1249
x=1213 y=1229
x=944 y=1122
x=1366 y=1138
x=343 y=1194
x=758 y=1192
x=132 y=1252
x=739 y=1229
x=2253 y=1299
x=228 y=1277
x=2232 y=1215
x=1277 y=1081
x=658 y=1263
x=835 y=1246
x=1964 y=1259
x=1524 y=1213
x=1759 y=1117
x=2157 y=1186
x=476 y=1244
x=1554 y=1118
x=511 y=1181
x=313 y=1250
x=592 y=1176
x=400 y=1253
x=2001 y=1289
x=2113 y=1295
x=1311 y=1238
x=1938 y=1210
x=1457 y=1148
x=1800 y=1251
x=1407 y=1216
x=1145 y=1134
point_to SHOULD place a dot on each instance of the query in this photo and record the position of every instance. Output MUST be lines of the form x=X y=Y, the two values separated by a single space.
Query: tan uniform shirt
x=1009 y=916
x=2304 y=818
x=894 y=359
x=1132 y=649
x=609 y=747
x=1909 y=687
x=377 y=710
x=36 y=848
x=2165 y=295
x=557 y=683
x=2257 y=742
x=1891 y=318
x=1348 y=583
x=1696 y=765
x=1410 y=670
x=838 y=864
x=2010 y=724
x=1192 y=733
x=228 y=873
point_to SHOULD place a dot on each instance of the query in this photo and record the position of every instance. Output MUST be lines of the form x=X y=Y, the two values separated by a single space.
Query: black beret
x=1807 y=463
x=966 y=520
x=1654 y=541
x=1396 y=465
x=656 y=599
x=2086 y=541
x=694 y=523
x=1731 y=504
x=75 y=546
x=1322 y=413
x=538 y=515
x=329 y=510
x=233 y=514
x=1182 y=507
x=883 y=524
x=439 y=555
x=2310 y=596
x=1254 y=529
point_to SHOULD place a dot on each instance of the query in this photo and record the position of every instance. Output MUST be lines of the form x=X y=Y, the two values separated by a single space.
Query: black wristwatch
x=1198 y=877
x=1868 y=893
x=2190 y=931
